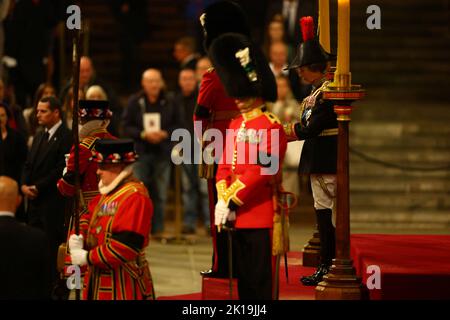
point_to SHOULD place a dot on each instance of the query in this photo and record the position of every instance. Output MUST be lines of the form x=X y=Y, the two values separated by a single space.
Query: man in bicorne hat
x=246 y=182
x=318 y=128
x=115 y=231
x=214 y=110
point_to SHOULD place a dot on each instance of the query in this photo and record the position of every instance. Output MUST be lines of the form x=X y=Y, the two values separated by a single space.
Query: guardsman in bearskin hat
x=318 y=128
x=214 y=110
x=115 y=231
x=94 y=118
x=246 y=180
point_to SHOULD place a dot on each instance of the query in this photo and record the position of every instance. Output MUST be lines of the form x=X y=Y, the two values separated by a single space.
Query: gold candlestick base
x=341 y=283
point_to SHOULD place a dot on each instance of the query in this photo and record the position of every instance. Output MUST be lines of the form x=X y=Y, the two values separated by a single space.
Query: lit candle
x=343 y=48
x=324 y=24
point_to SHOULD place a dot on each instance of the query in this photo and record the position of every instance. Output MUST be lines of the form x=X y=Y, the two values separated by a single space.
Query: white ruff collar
x=125 y=173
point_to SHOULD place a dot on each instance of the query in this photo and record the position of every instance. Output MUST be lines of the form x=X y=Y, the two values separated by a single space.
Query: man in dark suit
x=25 y=260
x=42 y=170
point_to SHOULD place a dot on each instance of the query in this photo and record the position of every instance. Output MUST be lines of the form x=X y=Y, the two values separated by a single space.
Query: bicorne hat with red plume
x=309 y=51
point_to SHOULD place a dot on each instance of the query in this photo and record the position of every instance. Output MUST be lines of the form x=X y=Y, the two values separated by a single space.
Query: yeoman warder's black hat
x=114 y=151
x=94 y=109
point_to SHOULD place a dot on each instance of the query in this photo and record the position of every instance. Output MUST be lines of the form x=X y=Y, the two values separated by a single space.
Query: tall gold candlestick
x=324 y=24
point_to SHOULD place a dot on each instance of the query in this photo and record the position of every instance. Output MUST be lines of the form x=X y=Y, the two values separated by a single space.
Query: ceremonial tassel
x=307 y=27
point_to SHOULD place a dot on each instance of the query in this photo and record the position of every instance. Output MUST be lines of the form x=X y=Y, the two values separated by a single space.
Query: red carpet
x=218 y=289
x=412 y=266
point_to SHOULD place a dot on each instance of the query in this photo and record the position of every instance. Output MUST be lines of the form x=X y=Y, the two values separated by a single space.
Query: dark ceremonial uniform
x=117 y=228
x=318 y=127
x=215 y=110
x=249 y=185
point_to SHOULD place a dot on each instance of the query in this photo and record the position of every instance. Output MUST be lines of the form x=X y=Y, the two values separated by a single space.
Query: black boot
x=327 y=236
x=316 y=277
x=327 y=247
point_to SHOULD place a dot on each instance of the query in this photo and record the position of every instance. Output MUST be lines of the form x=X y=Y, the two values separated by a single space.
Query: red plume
x=307 y=27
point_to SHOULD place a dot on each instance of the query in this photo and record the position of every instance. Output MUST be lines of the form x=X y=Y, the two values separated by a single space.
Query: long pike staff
x=75 y=86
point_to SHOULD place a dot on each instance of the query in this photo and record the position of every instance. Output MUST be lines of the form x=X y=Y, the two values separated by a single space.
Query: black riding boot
x=327 y=247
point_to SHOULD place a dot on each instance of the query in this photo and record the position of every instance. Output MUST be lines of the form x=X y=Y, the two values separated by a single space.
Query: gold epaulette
x=272 y=118
x=231 y=192
x=89 y=142
x=211 y=69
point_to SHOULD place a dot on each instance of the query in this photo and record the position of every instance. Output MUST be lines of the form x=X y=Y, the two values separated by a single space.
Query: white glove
x=232 y=216
x=78 y=257
x=221 y=213
x=75 y=242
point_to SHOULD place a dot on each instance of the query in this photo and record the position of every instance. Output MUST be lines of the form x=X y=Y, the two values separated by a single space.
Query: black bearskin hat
x=242 y=68
x=223 y=17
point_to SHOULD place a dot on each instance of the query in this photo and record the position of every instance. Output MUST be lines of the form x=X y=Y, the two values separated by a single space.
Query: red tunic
x=116 y=230
x=213 y=97
x=244 y=176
